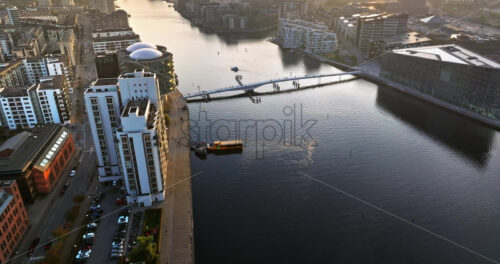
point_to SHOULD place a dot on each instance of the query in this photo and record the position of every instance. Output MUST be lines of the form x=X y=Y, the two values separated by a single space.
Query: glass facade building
x=449 y=73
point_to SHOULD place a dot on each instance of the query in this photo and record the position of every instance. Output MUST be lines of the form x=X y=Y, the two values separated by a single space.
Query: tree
x=72 y=214
x=144 y=250
x=59 y=231
x=78 y=198
x=53 y=255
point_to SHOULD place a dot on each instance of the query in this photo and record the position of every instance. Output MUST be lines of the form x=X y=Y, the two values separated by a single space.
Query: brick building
x=50 y=165
x=36 y=159
x=13 y=218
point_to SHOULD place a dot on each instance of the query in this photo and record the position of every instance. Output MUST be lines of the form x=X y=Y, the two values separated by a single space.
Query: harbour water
x=284 y=199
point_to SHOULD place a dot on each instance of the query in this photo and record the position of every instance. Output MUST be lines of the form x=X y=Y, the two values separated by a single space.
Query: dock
x=177 y=242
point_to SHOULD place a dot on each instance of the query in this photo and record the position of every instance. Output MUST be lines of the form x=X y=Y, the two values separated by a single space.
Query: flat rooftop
x=407 y=38
x=9 y=65
x=105 y=81
x=20 y=158
x=14 y=91
x=112 y=38
x=139 y=106
x=55 y=82
x=449 y=53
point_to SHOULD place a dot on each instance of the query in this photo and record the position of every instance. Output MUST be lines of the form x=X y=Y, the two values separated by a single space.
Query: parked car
x=90 y=235
x=33 y=246
x=117 y=251
x=121 y=201
x=91 y=226
x=72 y=173
x=122 y=219
x=116 y=255
x=95 y=206
x=117 y=243
x=83 y=254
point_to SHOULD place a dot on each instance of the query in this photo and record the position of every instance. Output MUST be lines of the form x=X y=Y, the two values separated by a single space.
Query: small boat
x=230 y=145
x=235 y=69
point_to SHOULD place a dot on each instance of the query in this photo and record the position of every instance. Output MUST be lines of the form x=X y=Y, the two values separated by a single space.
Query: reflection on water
x=407 y=156
x=471 y=139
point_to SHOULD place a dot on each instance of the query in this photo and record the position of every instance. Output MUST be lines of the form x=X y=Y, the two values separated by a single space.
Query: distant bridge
x=252 y=86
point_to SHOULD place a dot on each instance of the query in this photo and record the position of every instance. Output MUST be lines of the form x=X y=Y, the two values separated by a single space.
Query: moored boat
x=228 y=145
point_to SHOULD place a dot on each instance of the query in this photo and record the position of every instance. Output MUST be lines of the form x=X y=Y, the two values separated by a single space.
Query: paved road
x=101 y=249
x=48 y=212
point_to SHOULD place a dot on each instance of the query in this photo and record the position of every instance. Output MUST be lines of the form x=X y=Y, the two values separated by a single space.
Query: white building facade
x=39 y=67
x=103 y=110
x=140 y=157
x=312 y=37
x=113 y=40
x=131 y=145
x=18 y=110
x=52 y=103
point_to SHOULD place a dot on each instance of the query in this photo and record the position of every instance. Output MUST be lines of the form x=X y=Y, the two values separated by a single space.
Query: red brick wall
x=45 y=180
x=13 y=223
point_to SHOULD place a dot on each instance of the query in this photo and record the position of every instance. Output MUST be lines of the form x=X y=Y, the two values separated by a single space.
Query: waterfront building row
x=362 y=29
x=449 y=73
x=113 y=40
x=127 y=119
x=301 y=34
x=128 y=128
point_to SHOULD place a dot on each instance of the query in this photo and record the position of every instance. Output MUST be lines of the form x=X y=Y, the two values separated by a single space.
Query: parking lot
x=115 y=225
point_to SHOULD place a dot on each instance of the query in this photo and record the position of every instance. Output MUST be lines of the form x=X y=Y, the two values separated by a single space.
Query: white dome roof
x=140 y=45
x=146 y=54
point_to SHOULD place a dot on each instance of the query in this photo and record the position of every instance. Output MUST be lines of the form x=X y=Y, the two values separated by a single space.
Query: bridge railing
x=234 y=87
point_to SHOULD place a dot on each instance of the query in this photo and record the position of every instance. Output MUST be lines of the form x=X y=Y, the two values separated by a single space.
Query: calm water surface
x=417 y=161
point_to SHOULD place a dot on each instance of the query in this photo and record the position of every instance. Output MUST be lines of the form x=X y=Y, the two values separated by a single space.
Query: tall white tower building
x=103 y=110
x=142 y=138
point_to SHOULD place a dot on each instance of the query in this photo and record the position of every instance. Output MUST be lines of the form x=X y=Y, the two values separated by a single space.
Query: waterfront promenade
x=177 y=242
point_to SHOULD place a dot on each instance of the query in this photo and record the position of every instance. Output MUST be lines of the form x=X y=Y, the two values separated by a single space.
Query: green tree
x=72 y=214
x=78 y=198
x=144 y=250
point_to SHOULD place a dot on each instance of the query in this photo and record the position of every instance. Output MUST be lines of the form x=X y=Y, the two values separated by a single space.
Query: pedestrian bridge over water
x=253 y=86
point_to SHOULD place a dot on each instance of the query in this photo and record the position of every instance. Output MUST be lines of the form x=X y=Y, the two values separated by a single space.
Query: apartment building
x=44 y=3
x=103 y=109
x=142 y=138
x=66 y=3
x=13 y=218
x=301 y=34
x=6 y=46
x=113 y=40
x=379 y=26
x=13 y=73
x=17 y=108
x=13 y=14
x=136 y=139
x=139 y=151
x=347 y=26
x=114 y=20
x=105 y=6
x=40 y=67
x=51 y=100
x=107 y=65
